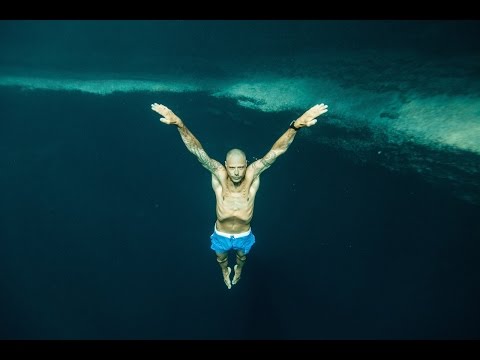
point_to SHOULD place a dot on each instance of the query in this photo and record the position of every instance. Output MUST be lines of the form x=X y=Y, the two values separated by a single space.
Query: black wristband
x=292 y=126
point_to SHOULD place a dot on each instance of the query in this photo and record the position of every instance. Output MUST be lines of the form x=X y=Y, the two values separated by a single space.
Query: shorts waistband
x=235 y=236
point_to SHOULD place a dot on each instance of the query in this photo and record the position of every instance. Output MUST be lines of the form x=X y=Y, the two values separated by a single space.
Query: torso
x=234 y=203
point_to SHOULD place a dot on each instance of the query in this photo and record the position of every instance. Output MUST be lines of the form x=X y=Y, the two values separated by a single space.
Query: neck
x=235 y=185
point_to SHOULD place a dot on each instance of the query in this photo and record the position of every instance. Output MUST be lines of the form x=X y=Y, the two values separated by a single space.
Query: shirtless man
x=235 y=185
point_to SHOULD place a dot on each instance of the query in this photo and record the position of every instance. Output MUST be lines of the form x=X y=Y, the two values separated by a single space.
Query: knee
x=222 y=258
x=242 y=257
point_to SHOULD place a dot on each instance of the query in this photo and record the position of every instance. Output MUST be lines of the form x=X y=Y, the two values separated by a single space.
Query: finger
x=159 y=106
x=165 y=121
x=321 y=111
x=155 y=107
x=312 y=122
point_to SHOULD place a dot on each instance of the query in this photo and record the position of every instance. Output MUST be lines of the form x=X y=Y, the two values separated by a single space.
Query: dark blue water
x=105 y=220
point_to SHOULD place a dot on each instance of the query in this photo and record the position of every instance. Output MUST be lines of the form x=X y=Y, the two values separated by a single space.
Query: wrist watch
x=292 y=126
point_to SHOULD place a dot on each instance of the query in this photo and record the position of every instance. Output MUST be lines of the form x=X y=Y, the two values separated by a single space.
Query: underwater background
x=368 y=227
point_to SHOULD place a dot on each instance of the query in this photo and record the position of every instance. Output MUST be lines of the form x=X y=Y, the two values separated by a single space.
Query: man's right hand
x=309 y=117
x=168 y=115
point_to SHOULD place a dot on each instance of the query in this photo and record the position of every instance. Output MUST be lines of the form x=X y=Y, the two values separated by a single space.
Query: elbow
x=279 y=152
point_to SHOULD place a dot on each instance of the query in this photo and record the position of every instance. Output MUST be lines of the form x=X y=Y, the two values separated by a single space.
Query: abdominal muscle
x=234 y=212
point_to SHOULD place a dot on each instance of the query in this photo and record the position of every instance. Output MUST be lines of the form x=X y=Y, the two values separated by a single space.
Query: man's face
x=236 y=168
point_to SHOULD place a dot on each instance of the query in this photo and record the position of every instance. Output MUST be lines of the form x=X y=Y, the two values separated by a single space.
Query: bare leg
x=241 y=258
x=222 y=260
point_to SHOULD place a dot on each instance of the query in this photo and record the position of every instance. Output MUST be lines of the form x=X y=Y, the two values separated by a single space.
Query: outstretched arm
x=282 y=144
x=190 y=141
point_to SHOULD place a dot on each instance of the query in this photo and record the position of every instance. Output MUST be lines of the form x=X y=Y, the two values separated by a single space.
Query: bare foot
x=238 y=272
x=226 y=277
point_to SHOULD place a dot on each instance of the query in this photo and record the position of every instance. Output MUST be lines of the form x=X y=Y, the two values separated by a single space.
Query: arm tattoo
x=280 y=146
x=194 y=146
x=206 y=161
x=264 y=163
x=268 y=159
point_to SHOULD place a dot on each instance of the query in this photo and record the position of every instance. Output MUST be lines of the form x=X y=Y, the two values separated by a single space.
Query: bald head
x=236 y=155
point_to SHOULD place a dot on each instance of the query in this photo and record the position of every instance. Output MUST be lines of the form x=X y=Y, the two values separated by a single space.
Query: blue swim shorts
x=223 y=242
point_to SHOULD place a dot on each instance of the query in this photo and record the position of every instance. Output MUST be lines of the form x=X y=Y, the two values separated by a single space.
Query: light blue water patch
x=418 y=113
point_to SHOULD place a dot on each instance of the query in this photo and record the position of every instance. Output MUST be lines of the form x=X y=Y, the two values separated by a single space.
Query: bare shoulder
x=252 y=167
x=219 y=175
x=253 y=185
x=220 y=171
x=257 y=167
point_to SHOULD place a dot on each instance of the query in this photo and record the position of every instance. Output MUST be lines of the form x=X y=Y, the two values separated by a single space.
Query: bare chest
x=236 y=199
